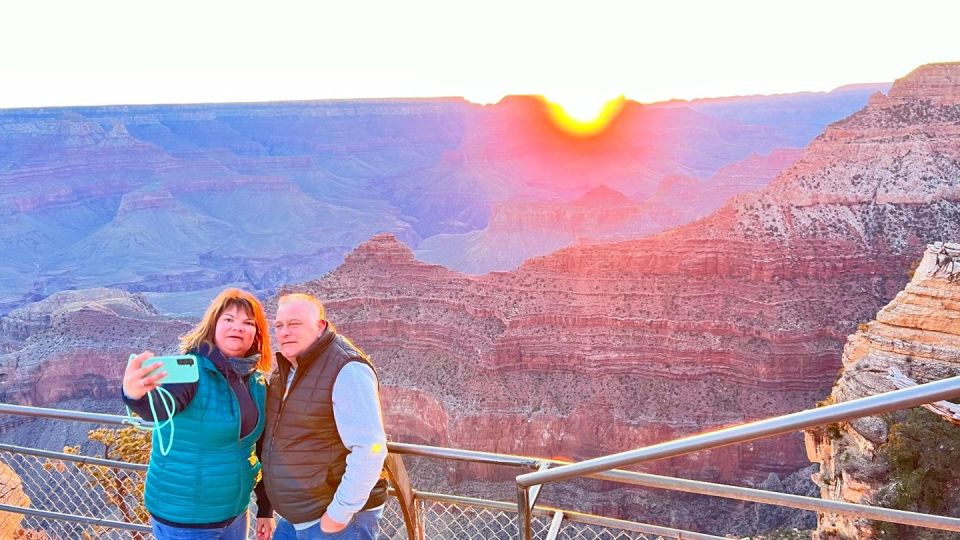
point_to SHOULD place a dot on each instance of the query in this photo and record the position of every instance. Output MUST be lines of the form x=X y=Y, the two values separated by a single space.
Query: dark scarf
x=237 y=371
x=242 y=366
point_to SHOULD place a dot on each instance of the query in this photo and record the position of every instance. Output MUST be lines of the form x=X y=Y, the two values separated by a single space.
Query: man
x=324 y=442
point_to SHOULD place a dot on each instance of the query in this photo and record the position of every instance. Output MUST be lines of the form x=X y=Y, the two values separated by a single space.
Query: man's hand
x=265 y=528
x=329 y=526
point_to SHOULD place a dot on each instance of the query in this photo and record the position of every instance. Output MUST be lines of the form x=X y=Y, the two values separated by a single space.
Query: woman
x=201 y=488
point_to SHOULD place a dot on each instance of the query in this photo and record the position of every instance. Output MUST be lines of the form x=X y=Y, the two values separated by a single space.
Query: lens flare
x=583 y=118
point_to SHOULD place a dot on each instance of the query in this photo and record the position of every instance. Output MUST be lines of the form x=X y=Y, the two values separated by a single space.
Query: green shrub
x=922 y=452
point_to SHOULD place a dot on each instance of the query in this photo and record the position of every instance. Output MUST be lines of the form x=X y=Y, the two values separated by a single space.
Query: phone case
x=181 y=368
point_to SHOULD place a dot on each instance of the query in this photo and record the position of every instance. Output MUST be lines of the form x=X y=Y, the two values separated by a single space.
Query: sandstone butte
x=918 y=332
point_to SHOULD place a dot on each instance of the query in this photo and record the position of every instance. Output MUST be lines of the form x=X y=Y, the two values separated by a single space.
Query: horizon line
x=478 y=102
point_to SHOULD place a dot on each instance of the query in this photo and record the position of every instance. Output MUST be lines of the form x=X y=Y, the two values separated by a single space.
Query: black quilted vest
x=303 y=457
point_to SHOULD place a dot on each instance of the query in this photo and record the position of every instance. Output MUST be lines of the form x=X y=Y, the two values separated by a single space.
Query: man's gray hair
x=303 y=297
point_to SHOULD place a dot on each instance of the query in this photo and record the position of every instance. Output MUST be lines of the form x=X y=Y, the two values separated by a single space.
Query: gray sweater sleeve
x=356 y=409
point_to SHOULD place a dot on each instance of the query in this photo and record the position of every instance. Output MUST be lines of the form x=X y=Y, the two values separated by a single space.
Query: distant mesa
x=145 y=199
x=116 y=301
x=867 y=179
x=934 y=82
x=603 y=196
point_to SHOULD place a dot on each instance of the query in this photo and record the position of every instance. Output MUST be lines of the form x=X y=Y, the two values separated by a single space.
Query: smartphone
x=180 y=368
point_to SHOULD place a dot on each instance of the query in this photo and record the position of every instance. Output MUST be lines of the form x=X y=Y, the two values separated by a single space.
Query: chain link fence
x=98 y=492
x=462 y=522
x=88 y=490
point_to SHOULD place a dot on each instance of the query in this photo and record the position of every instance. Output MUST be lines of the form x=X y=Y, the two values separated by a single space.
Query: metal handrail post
x=555 y=526
x=880 y=403
x=535 y=490
x=524 y=514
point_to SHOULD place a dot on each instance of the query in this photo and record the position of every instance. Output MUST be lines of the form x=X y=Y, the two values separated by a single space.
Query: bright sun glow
x=583 y=117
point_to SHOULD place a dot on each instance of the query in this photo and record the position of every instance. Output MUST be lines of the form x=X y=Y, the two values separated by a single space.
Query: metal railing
x=80 y=416
x=64 y=502
x=571 y=520
x=448 y=516
x=602 y=467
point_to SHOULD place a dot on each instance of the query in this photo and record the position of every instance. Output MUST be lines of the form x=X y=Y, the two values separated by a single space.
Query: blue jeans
x=365 y=525
x=235 y=530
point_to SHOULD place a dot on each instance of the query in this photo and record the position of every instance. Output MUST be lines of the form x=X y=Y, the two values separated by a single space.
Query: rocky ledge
x=876 y=460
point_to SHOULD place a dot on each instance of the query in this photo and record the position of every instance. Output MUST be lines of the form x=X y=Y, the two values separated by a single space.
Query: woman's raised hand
x=138 y=379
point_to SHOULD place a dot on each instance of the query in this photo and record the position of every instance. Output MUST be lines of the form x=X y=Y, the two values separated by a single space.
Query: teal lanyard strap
x=169 y=405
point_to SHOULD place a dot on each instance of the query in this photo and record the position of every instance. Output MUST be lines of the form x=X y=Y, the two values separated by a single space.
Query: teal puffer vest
x=210 y=472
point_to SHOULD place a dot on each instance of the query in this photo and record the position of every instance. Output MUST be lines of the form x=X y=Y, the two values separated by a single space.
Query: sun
x=583 y=116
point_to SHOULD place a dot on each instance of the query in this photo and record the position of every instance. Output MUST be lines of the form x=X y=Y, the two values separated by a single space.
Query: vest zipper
x=283 y=403
x=236 y=405
x=268 y=444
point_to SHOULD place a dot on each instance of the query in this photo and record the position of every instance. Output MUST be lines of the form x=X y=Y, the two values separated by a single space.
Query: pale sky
x=131 y=51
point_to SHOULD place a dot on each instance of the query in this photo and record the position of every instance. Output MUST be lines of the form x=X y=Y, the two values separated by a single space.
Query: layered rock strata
x=743 y=315
x=918 y=333
x=76 y=343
